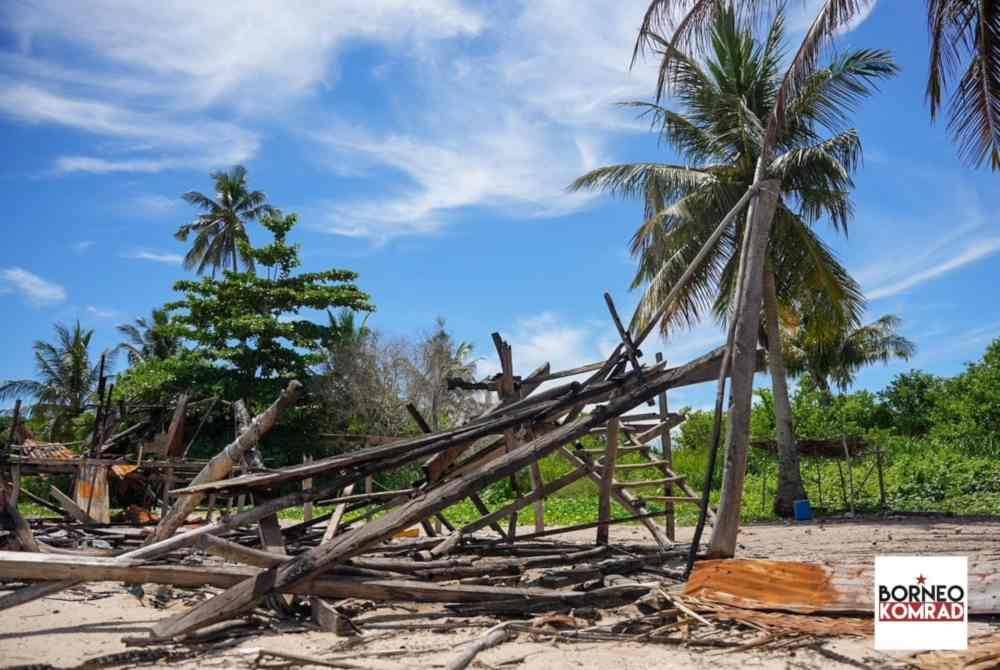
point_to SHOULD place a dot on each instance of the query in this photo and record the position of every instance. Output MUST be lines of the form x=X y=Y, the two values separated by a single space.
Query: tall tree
x=149 y=338
x=220 y=233
x=835 y=356
x=964 y=38
x=439 y=357
x=667 y=26
x=251 y=325
x=718 y=133
x=66 y=381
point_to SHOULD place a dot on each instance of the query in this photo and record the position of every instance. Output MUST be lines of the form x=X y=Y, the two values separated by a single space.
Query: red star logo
x=921 y=579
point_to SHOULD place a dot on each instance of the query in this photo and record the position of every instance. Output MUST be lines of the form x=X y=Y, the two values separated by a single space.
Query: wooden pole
x=666 y=446
x=607 y=481
x=307 y=484
x=881 y=477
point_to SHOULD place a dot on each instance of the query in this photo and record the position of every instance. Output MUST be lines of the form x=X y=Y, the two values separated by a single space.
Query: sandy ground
x=76 y=625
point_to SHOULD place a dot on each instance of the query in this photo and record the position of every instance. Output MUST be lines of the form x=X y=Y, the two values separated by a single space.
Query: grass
x=920 y=476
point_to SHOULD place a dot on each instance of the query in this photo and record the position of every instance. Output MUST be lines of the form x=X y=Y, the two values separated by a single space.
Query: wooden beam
x=71 y=507
x=607 y=481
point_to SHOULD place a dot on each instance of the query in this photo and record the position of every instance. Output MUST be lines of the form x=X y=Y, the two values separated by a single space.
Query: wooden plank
x=70 y=506
x=607 y=481
x=333 y=525
x=175 y=433
x=650 y=482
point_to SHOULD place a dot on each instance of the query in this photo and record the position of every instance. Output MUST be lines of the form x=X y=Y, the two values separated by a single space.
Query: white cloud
x=977 y=250
x=500 y=166
x=171 y=143
x=153 y=204
x=184 y=58
x=33 y=288
x=254 y=53
x=82 y=246
x=101 y=313
x=922 y=258
x=156 y=256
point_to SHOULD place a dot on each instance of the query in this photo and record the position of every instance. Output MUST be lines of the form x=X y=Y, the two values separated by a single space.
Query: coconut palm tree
x=148 y=338
x=835 y=355
x=719 y=134
x=220 y=234
x=67 y=379
x=964 y=38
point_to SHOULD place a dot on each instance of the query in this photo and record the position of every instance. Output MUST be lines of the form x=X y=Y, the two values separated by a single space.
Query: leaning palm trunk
x=742 y=363
x=790 y=487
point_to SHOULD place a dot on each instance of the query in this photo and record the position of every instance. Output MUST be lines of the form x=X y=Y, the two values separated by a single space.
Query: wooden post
x=881 y=477
x=95 y=436
x=850 y=469
x=307 y=484
x=666 y=446
x=607 y=481
x=746 y=331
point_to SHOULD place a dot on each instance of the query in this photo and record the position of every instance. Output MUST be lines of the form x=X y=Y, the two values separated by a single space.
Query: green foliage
x=909 y=400
x=247 y=332
x=66 y=383
x=967 y=407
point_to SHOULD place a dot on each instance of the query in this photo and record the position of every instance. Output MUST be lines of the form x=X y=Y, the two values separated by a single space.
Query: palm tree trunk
x=790 y=487
x=747 y=328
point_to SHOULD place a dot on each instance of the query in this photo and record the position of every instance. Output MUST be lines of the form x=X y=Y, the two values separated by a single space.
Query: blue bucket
x=803 y=510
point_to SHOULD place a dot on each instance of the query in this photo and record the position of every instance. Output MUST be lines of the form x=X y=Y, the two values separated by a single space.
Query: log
x=29 y=566
x=239 y=598
x=223 y=462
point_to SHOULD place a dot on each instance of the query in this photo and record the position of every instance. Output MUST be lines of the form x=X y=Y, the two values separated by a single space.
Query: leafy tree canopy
x=248 y=334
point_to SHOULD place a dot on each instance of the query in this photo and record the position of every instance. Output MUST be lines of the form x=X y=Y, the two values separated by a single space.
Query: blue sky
x=427 y=146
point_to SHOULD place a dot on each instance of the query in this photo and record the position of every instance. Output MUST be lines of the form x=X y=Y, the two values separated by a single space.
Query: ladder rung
x=639 y=466
x=649 y=482
x=620 y=450
x=671 y=498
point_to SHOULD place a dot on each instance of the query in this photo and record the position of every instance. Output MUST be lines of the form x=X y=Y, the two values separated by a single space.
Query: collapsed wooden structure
x=536 y=415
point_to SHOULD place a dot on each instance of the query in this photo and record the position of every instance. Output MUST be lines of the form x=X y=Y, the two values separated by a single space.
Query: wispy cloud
x=83 y=246
x=34 y=289
x=187 y=58
x=977 y=250
x=156 y=256
x=101 y=312
x=152 y=205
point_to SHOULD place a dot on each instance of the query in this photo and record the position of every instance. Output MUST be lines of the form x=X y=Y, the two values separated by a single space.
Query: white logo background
x=921 y=635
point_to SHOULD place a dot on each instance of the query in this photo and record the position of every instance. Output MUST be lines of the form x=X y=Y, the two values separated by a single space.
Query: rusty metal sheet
x=806 y=588
x=59 y=452
x=123 y=470
x=788 y=586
